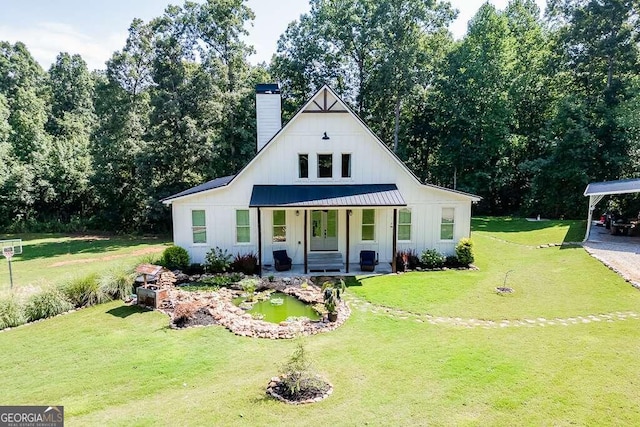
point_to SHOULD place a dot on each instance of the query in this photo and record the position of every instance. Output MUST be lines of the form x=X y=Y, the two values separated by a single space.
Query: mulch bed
x=202 y=317
x=312 y=390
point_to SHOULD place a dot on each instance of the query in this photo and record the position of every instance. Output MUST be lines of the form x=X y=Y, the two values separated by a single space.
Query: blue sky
x=95 y=29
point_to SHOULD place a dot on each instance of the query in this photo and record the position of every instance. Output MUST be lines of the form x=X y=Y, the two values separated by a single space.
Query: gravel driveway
x=620 y=253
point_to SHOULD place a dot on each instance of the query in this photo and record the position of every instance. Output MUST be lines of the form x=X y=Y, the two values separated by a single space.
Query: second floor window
x=325 y=165
x=303 y=166
x=346 y=165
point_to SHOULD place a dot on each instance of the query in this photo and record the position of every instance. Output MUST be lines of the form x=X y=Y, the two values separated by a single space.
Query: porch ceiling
x=307 y=196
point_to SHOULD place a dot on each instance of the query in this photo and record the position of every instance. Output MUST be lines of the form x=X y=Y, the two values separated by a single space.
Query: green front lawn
x=52 y=258
x=550 y=282
x=118 y=365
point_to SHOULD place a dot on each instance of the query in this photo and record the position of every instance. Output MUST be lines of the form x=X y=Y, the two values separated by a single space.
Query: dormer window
x=325 y=165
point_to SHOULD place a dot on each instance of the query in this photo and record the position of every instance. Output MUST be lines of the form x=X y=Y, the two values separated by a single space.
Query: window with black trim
x=346 y=165
x=303 y=166
x=325 y=165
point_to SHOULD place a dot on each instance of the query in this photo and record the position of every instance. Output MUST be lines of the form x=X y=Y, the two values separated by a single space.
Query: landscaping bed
x=207 y=307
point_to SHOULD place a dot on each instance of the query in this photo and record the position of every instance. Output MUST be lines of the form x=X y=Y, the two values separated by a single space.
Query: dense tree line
x=525 y=110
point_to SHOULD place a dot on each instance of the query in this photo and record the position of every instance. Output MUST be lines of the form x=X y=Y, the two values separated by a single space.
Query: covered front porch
x=324 y=229
x=298 y=270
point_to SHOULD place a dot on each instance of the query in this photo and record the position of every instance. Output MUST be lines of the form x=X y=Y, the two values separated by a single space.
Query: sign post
x=8 y=254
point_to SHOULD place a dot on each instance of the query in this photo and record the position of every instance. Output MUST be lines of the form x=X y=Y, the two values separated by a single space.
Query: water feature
x=279 y=307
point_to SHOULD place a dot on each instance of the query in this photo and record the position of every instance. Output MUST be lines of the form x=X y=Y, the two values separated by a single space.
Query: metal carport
x=597 y=190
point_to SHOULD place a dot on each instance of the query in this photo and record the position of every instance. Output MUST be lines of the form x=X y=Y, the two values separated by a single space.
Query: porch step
x=325 y=261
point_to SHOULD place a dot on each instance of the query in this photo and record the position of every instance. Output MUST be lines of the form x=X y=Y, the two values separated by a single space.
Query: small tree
x=299 y=381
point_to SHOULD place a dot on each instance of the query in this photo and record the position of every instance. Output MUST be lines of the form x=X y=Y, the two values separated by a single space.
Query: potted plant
x=332 y=294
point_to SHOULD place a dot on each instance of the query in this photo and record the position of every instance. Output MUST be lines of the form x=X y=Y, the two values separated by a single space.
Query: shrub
x=217 y=260
x=431 y=258
x=118 y=284
x=195 y=268
x=332 y=294
x=85 y=291
x=245 y=263
x=464 y=252
x=48 y=303
x=175 y=258
x=11 y=313
x=452 y=261
x=411 y=257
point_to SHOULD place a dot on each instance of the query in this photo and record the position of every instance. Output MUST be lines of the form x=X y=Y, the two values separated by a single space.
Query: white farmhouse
x=323 y=188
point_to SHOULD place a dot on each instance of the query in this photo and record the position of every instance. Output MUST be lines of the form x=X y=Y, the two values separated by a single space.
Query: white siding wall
x=278 y=164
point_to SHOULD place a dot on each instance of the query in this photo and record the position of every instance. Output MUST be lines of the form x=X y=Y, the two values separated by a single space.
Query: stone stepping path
x=394 y=313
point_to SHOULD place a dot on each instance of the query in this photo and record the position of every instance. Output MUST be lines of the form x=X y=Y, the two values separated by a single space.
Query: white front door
x=324 y=230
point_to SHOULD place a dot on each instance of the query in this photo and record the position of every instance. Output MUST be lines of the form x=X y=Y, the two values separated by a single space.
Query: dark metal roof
x=622 y=186
x=209 y=185
x=326 y=195
x=267 y=88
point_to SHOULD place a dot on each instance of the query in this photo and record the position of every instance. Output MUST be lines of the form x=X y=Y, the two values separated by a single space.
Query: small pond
x=279 y=307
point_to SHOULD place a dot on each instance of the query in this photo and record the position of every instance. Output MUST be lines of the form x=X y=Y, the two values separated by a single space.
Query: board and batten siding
x=277 y=164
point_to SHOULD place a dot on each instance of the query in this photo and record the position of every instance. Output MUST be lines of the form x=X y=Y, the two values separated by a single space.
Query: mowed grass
x=116 y=365
x=52 y=258
x=548 y=282
x=119 y=365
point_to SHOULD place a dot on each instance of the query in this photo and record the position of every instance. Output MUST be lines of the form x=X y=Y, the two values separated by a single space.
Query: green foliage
x=175 y=257
x=220 y=280
x=431 y=258
x=117 y=284
x=46 y=303
x=249 y=287
x=464 y=252
x=217 y=260
x=332 y=294
x=245 y=263
x=85 y=291
x=298 y=376
x=11 y=313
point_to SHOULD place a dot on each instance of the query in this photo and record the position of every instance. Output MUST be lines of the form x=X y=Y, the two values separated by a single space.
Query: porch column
x=259 y=242
x=394 y=248
x=306 y=261
x=348 y=243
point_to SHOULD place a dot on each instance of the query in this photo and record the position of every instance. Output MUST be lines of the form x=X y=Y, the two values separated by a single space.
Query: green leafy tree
x=71 y=124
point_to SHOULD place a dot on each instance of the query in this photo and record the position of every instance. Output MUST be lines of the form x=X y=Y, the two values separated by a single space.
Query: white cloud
x=46 y=40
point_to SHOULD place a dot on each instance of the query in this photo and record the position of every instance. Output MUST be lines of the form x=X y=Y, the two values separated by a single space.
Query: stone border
x=273 y=383
x=224 y=312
